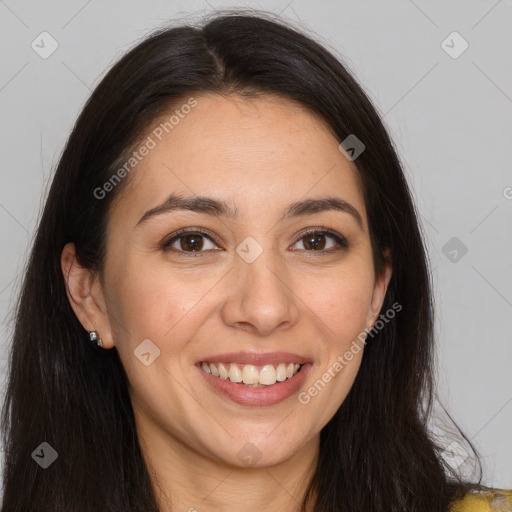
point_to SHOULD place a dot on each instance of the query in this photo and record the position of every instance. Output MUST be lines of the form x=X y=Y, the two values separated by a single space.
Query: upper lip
x=256 y=358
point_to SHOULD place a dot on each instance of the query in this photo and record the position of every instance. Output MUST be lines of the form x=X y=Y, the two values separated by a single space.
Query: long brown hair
x=376 y=453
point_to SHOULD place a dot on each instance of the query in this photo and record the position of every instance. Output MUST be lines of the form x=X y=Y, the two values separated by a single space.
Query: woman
x=228 y=304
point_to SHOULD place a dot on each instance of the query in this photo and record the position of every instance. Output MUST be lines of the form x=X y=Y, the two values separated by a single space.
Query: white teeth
x=222 y=371
x=267 y=375
x=281 y=372
x=235 y=375
x=214 y=370
x=250 y=375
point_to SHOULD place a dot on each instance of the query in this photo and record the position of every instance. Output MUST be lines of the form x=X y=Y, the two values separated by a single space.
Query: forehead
x=257 y=153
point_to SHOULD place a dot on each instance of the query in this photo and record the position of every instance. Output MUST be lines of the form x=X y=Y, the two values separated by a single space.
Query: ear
x=85 y=295
x=379 y=290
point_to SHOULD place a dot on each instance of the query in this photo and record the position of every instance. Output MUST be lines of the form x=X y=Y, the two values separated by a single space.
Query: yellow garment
x=495 y=501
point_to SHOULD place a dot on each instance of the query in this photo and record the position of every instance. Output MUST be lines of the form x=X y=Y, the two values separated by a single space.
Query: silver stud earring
x=95 y=339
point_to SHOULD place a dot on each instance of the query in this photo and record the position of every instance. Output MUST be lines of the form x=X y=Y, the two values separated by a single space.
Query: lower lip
x=257 y=397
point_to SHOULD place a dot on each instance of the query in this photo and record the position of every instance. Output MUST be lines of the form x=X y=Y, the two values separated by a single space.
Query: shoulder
x=488 y=501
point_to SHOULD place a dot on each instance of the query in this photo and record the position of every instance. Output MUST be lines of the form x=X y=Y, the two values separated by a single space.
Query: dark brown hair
x=376 y=453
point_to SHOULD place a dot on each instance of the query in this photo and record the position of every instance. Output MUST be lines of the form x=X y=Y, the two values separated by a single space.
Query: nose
x=261 y=297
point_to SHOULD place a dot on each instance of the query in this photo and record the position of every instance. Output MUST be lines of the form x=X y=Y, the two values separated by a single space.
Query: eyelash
x=339 y=239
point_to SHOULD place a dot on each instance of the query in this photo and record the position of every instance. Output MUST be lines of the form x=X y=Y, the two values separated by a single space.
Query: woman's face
x=252 y=284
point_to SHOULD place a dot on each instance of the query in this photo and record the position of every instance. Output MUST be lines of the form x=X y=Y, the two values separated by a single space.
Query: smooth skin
x=259 y=155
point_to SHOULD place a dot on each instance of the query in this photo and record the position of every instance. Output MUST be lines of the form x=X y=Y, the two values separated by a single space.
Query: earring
x=95 y=339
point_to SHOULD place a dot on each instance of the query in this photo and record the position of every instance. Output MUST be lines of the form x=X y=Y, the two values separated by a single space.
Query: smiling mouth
x=252 y=375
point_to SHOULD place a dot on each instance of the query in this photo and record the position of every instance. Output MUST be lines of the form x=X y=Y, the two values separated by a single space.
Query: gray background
x=450 y=119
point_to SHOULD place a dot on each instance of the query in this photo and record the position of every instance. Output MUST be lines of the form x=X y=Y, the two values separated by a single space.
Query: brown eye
x=189 y=241
x=314 y=241
x=322 y=241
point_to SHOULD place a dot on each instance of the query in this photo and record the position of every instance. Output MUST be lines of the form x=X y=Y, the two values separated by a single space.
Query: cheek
x=341 y=302
x=149 y=302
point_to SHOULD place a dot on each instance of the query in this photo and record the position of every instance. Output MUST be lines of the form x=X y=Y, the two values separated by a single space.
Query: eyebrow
x=216 y=207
